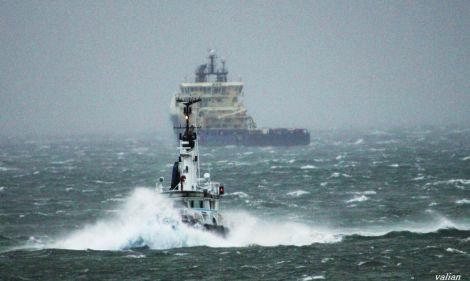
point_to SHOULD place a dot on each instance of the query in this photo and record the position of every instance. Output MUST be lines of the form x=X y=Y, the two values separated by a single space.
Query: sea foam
x=463 y=201
x=148 y=219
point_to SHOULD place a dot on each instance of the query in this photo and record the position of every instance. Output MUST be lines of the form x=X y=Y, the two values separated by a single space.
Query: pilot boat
x=196 y=198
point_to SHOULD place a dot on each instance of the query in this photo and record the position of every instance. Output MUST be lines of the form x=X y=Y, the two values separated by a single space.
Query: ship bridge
x=221 y=105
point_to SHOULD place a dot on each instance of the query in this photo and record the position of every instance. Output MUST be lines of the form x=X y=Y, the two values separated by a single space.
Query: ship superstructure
x=221 y=113
x=196 y=198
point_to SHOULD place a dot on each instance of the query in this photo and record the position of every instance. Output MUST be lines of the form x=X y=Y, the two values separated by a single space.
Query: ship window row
x=200 y=204
x=213 y=90
x=218 y=101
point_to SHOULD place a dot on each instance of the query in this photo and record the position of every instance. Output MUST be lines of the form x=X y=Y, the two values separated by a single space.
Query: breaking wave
x=147 y=219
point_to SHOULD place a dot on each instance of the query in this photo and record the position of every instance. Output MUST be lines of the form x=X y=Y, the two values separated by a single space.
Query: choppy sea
x=353 y=205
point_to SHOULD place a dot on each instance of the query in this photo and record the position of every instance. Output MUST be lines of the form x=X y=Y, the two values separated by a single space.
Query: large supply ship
x=222 y=115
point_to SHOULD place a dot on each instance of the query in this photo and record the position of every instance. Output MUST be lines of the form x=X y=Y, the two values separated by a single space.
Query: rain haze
x=71 y=67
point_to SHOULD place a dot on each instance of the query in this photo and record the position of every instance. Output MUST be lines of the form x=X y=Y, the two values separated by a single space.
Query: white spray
x=148 y=219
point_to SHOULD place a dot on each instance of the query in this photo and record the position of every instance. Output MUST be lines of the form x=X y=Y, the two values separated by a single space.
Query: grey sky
x=112 y=66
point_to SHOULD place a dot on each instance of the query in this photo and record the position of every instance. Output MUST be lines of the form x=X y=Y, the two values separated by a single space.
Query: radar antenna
x=204 y=71
x=189 y=135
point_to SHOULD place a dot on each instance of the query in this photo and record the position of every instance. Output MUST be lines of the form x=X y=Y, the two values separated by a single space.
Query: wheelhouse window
x=179 y=204
x=201 y=204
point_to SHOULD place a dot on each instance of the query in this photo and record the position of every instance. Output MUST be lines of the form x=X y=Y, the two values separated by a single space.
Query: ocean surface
x=353 y=205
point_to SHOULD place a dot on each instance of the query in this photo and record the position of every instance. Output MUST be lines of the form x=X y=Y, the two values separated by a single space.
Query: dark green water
x=378 y=205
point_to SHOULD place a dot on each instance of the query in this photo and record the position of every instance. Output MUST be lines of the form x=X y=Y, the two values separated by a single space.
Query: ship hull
x=254 y=137
x=217 y=229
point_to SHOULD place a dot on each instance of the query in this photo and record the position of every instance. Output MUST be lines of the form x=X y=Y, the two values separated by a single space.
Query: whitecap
x=297 y=193
x=334 y=175
x=307 y=167
x=359 y=141
x=453 y=250
x=463 y=201
x=240 y=194
x=460 y=181
x=451 y=181
x=135 y=256
x=314 y=277
x=6 y=169
x=358 y=199
x=62 y=162
x=466 y=158
x=368 y=192
x=395 y=165
x=103 y=182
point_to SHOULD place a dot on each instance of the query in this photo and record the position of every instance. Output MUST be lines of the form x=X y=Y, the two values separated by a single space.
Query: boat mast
x=205 y=70
x=188 y=171
x=187 y=102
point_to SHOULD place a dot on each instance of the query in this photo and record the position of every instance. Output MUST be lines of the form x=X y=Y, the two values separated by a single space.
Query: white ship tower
x=196 y=198
x=189 y=152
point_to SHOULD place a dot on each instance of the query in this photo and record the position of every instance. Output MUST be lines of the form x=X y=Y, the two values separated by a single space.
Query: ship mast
x=186 y=170
x=206 y=70
x=187 y=102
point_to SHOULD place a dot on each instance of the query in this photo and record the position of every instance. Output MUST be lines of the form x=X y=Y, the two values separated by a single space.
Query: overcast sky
x=112 y=66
